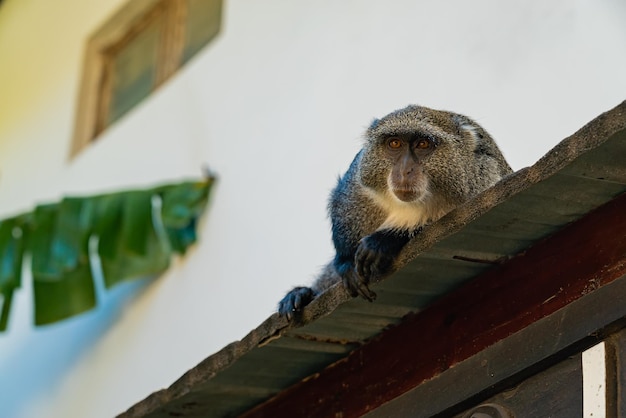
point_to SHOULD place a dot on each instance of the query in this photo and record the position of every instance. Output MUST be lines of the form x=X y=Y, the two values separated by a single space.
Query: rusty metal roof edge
x=589 y=137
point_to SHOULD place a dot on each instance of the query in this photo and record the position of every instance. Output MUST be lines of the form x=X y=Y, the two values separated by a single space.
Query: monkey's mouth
x=406 y=195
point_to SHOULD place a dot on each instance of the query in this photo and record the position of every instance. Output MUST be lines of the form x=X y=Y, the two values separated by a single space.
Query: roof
x=582 y=173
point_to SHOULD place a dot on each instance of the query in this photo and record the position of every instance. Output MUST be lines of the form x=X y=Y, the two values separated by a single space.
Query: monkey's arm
x=345 y=265
x=353 y=217
x=354 y=265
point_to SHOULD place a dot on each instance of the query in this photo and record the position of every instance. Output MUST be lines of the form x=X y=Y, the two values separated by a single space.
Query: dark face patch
x=406 y=154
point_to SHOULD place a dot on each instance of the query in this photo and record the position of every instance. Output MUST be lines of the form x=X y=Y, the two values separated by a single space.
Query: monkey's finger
x=363 y=263
x=361 y=288
x=287 y=309
x=297 y=302
x=366 y=293
x=353 y=283
x=367 y=266
x=349 y=284
x=363 y=270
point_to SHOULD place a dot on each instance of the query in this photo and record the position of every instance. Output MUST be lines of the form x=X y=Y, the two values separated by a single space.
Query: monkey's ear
x=466 y=125
x=374 y=123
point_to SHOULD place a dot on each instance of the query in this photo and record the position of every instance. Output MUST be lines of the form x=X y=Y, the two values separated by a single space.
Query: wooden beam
x=552 y=274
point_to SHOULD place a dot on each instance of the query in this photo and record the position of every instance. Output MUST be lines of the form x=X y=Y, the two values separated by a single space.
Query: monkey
x=416 y=165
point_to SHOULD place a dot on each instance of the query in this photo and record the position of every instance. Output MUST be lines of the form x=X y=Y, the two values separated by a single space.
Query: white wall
x=276 y=106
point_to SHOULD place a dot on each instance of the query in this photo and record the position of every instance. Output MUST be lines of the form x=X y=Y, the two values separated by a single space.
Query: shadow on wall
x=37 y=366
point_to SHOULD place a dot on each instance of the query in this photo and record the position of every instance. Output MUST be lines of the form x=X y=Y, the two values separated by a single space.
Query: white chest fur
x=407 y=215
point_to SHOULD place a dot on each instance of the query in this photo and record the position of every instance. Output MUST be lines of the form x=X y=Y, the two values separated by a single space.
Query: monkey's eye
x=394 y=143
x=422 y=143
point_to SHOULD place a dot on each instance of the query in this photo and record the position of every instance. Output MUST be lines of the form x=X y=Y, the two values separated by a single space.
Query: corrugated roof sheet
x=583 y=172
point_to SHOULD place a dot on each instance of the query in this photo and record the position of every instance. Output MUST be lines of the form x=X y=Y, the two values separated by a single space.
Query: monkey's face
x=418 y=163
x=416 y=154
x=406 y=154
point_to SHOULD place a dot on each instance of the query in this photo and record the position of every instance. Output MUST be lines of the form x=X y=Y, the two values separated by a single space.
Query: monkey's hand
x=291 y=305
x=376 y=253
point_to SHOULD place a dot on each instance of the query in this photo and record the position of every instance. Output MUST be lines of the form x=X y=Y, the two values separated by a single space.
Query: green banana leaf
x=11 y=252
x=131 y=247
x=137 y=233
x=182 y=207
x=62 y=281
